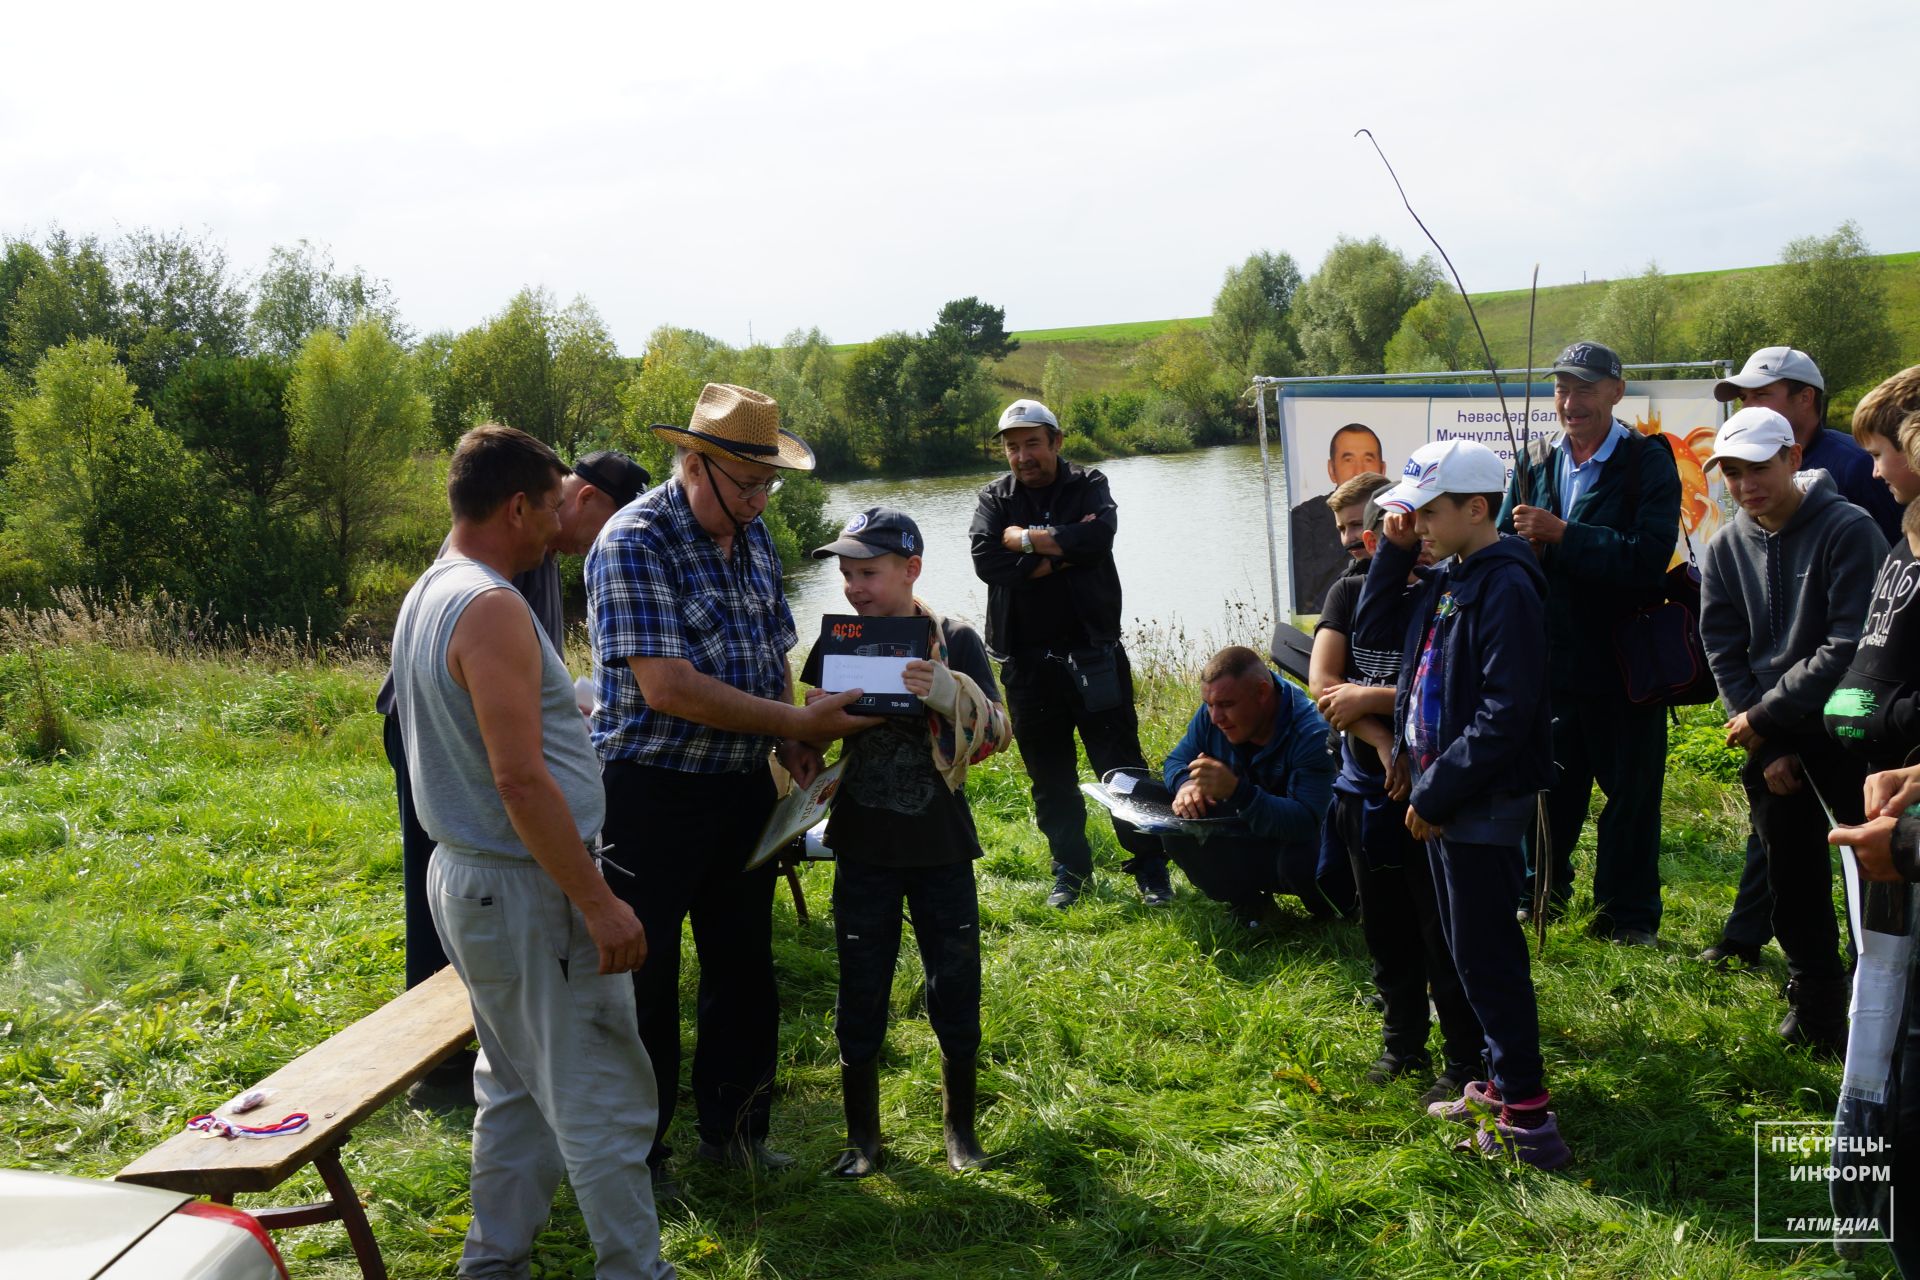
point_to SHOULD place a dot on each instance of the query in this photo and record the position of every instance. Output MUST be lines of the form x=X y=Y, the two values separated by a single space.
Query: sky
x=747 y=170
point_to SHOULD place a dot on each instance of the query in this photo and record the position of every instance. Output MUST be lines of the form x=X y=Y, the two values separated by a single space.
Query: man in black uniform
x=1042 y=540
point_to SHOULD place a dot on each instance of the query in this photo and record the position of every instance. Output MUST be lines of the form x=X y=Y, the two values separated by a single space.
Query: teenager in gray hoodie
x=1784 y=592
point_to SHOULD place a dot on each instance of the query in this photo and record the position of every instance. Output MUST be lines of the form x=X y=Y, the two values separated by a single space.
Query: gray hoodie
x=1780 y=613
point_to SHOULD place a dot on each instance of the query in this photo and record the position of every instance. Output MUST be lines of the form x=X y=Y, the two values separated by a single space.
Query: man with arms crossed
x=507 y=783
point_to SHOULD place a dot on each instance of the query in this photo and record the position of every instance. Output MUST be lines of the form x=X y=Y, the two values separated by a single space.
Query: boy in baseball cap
x=902 y=835
x=1784 y=589
x=1470 y=725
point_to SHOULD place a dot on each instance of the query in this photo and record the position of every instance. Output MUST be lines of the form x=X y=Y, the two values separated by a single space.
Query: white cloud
x=854 y=166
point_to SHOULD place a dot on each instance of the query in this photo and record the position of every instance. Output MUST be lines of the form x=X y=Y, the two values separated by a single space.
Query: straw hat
x=737 y=424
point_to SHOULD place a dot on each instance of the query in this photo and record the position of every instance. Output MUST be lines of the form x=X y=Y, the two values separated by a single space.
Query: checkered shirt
x=658 y=587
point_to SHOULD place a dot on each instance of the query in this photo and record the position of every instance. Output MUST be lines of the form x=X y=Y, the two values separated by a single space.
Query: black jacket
x=1612 y=561
x=1092 y=580
x=1495 y=727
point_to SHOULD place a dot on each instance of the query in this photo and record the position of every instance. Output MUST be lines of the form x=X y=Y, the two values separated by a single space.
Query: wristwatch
x=1026 y=542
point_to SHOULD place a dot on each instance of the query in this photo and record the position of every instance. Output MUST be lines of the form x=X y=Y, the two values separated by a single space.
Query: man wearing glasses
x=692 y=689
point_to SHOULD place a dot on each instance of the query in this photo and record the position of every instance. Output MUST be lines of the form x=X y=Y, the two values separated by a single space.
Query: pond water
x=1192 y=547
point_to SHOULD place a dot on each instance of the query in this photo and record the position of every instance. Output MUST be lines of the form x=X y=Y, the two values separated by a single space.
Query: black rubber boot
x=959 y=1096
x=860 y=1090
x=1817 y=1014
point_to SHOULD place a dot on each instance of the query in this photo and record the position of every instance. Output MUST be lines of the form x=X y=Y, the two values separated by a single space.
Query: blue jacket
x=1285 y=784
x=1495 y=726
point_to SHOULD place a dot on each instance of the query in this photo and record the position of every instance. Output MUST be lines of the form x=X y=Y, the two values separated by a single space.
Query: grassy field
x=1099 y=353
x=210 y=883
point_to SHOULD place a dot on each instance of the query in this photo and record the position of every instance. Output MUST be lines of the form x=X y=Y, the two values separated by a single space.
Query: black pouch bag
x=1096 y=677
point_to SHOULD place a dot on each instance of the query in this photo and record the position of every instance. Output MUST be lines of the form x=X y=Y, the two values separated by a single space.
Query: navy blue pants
x=1243 y=871
x=945 y=909
x=424 y=954
x=1623 y=747
x=1400 y=919
x=1750 y=923
x=1474 y=889
x=684 y=838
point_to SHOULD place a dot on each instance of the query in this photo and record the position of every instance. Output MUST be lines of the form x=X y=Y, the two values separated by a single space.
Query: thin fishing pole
x=1493 y=369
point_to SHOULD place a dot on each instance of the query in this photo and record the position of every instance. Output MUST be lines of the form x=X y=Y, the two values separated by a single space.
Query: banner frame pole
x=1266 y=480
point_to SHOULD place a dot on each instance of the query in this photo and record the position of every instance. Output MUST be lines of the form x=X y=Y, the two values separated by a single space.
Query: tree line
x=271 y=447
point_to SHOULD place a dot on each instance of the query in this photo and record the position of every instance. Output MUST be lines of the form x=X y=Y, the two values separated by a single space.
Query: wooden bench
x=338 y=1084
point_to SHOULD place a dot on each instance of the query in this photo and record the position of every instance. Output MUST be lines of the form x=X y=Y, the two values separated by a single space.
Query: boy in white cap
x=1471 y=721
x=1784 y=590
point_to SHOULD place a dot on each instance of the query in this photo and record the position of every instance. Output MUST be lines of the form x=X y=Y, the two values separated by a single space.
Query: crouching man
x=508 y=786
x=1255 y=753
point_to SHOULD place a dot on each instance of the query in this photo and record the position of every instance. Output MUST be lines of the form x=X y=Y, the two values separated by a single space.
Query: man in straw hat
x=693 y=689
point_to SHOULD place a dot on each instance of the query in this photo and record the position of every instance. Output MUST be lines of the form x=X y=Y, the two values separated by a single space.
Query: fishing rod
x=1506 y=414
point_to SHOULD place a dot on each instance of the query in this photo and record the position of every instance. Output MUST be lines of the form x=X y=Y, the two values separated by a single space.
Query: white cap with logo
x=1751 y=435
x=1445 y=466
x=1769 y=365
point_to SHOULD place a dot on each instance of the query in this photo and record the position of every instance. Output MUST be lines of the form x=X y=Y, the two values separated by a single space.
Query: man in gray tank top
x=508 y=786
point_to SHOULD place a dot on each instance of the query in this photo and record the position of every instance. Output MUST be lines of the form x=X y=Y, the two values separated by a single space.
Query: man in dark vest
x=1603 y=511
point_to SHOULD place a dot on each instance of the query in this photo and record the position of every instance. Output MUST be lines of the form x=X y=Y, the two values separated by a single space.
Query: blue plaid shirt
x=658 y=587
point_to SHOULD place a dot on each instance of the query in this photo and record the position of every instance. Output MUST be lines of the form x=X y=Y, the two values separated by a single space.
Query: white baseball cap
x=1751 y=435
x=1770 y=364
x=1445 y=466
x=1026 y=413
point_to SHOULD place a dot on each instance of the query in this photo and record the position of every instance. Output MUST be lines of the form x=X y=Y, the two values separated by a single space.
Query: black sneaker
x=1391 y=1066
x=1066 y=892
x=1156 y=887
x=1727 y=956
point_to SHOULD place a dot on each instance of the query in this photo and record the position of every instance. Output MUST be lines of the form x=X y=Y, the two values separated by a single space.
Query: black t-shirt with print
x=1875 y=712
x=893 y=808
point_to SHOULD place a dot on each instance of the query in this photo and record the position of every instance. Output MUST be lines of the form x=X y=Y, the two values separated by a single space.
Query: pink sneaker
x=1479 y=1101
x=1542 y=1146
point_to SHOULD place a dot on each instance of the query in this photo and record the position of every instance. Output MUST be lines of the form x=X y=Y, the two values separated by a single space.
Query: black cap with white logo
x=877 y=531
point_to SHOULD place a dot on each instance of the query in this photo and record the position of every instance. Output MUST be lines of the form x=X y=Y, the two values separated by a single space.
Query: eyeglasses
x=766 y=487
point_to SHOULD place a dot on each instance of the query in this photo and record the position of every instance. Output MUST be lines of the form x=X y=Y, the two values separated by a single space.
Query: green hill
x=1099 y=353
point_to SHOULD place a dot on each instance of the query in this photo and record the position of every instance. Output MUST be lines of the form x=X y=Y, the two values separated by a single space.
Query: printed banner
x=1333 y=432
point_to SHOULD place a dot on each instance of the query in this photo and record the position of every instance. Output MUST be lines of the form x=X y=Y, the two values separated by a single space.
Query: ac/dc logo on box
x=846 y=631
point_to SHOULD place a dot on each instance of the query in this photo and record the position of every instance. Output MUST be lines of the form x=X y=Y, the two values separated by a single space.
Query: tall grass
x=214 y=887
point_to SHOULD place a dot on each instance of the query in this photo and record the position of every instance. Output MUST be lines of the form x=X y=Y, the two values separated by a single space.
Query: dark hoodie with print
x=1875 y=712
x=1780 y=613
x=1492 y=726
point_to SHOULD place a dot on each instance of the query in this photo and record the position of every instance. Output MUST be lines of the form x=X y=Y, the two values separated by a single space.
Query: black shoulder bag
x=1662 y=658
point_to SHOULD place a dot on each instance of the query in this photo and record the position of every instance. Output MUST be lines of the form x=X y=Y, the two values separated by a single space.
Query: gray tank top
x=446 y=759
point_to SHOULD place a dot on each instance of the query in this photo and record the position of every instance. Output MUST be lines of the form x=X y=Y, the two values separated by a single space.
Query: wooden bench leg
x=799 y=898
x=359 y=1230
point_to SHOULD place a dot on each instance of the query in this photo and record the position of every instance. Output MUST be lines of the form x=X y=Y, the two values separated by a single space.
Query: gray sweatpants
x=563 y=1085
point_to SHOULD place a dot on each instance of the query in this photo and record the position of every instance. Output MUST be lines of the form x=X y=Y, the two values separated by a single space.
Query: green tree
x=98 y=495
x=176 y=301
x=65 y=291
x=878 y=398
x=1636 y=318
x=232 y=413
x=355 y=416
x=586 y=374
x=1435 y=334
x=1352 y=306
x=302 y=292
x=1251 y=329
x=1180 y=365
x=1057 y=386
x=1736 y=318
x=1829 y=298
x=979 y=329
